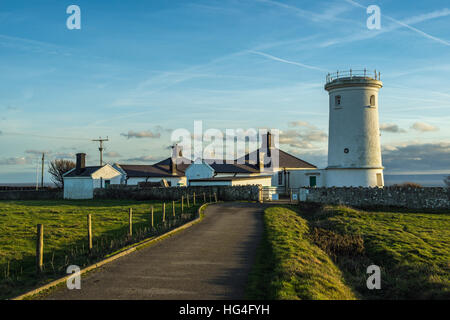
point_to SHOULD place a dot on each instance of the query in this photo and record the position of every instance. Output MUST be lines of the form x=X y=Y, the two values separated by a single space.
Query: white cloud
x=141 y=134
x=424 y=127
x=391 y=127
x=16 y=161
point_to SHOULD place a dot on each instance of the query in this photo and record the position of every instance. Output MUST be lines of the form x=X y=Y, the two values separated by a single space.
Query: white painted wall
x=353 y=125
x=264 y=181
x=300 y=178
x=353 y=177
x=78 y=188
x=210 y=183
x=199 y=171
x=174 y=181
x=83 y=187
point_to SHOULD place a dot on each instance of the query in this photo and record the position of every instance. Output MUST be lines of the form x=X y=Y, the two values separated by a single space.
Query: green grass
x=65 y=233
x=411 y=248
x=289 y=266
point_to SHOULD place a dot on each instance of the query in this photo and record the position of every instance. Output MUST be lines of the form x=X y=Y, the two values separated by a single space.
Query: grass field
x=65 y=233
x=306 y=245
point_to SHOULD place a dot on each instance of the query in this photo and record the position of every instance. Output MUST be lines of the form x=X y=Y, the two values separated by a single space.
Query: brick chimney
x=81 y=162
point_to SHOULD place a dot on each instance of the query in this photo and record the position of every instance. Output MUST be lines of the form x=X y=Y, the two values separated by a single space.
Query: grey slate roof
x=230 y=178
x=160 y=169
x=286 y=160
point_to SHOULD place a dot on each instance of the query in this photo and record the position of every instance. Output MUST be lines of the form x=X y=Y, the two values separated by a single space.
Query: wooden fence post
x=210 y=199
x=152 y=218
x=130 y=221
x=40 y=248
x=194 y=198
x=89 y=226
x=187 y=199
x=173 y=208
x=182 y=204
x=215 y=197
x=204 y=197
x=164 y=211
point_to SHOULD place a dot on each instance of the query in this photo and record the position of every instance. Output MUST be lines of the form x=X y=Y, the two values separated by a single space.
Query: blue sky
x=138 y=69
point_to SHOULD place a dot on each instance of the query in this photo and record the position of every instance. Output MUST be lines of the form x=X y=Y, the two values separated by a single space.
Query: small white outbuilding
x=80 y=182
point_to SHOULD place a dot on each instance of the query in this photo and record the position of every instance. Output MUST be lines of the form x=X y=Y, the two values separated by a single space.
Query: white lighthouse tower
x=354 y=153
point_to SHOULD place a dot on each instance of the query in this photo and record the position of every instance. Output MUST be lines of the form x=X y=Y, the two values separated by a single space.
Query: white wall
x=354 y=125
x=300 y=178
x=173 y=180
x=210 y=183
x=199 y=171
x=83 y=187
x=78 y=188
x=353 y=177
x=264 y=181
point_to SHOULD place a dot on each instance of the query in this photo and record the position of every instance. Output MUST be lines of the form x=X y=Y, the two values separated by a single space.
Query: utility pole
x=100 y=148
x=42 y=172
x=37 y=174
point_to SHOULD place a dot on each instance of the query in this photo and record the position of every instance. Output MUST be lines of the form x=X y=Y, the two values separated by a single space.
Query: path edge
x=116 y=256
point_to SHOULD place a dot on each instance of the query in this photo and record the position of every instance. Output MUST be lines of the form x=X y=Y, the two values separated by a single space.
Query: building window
x=337 y=100
x=372 y=101
x=280 y=178
x=107 y=183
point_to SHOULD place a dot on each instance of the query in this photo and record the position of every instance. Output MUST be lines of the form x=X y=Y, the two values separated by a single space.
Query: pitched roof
x=285 y=160
x=160 y=169
x=230 y=178
x=85 y=172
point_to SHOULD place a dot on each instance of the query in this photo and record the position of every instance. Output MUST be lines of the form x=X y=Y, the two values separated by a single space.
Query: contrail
x=287 y=61
x=403 y=24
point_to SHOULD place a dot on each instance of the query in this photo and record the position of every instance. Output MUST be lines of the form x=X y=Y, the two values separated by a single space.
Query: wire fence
x=136 y=227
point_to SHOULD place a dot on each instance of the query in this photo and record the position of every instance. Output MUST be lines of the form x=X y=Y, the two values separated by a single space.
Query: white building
x=170 y=171
x=270 y=167
x=80 y=182
x=354 y=153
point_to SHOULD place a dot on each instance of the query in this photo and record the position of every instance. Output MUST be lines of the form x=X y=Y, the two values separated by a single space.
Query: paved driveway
x=210 y=260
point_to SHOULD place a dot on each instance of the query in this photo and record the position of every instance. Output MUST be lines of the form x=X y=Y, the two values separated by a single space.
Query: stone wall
x=412 y=198
x=224 y=193
x=31 y=195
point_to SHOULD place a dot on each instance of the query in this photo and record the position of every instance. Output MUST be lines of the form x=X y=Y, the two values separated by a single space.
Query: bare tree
x=57 y=168
x=447 y=181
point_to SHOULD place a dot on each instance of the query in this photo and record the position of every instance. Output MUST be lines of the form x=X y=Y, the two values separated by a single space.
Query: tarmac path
x=210 y=260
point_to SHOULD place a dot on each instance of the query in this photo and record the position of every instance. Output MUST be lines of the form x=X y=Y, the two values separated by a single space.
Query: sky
x=136 y=70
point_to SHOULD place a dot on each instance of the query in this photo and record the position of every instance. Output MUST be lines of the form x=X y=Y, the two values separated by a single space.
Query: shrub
x=338 y=245
x=407 y=185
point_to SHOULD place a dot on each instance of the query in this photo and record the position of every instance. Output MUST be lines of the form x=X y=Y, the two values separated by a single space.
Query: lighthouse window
x=337 y=100
x=372 y=101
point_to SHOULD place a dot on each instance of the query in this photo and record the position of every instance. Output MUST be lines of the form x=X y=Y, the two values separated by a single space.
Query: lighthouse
x=354 y=153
